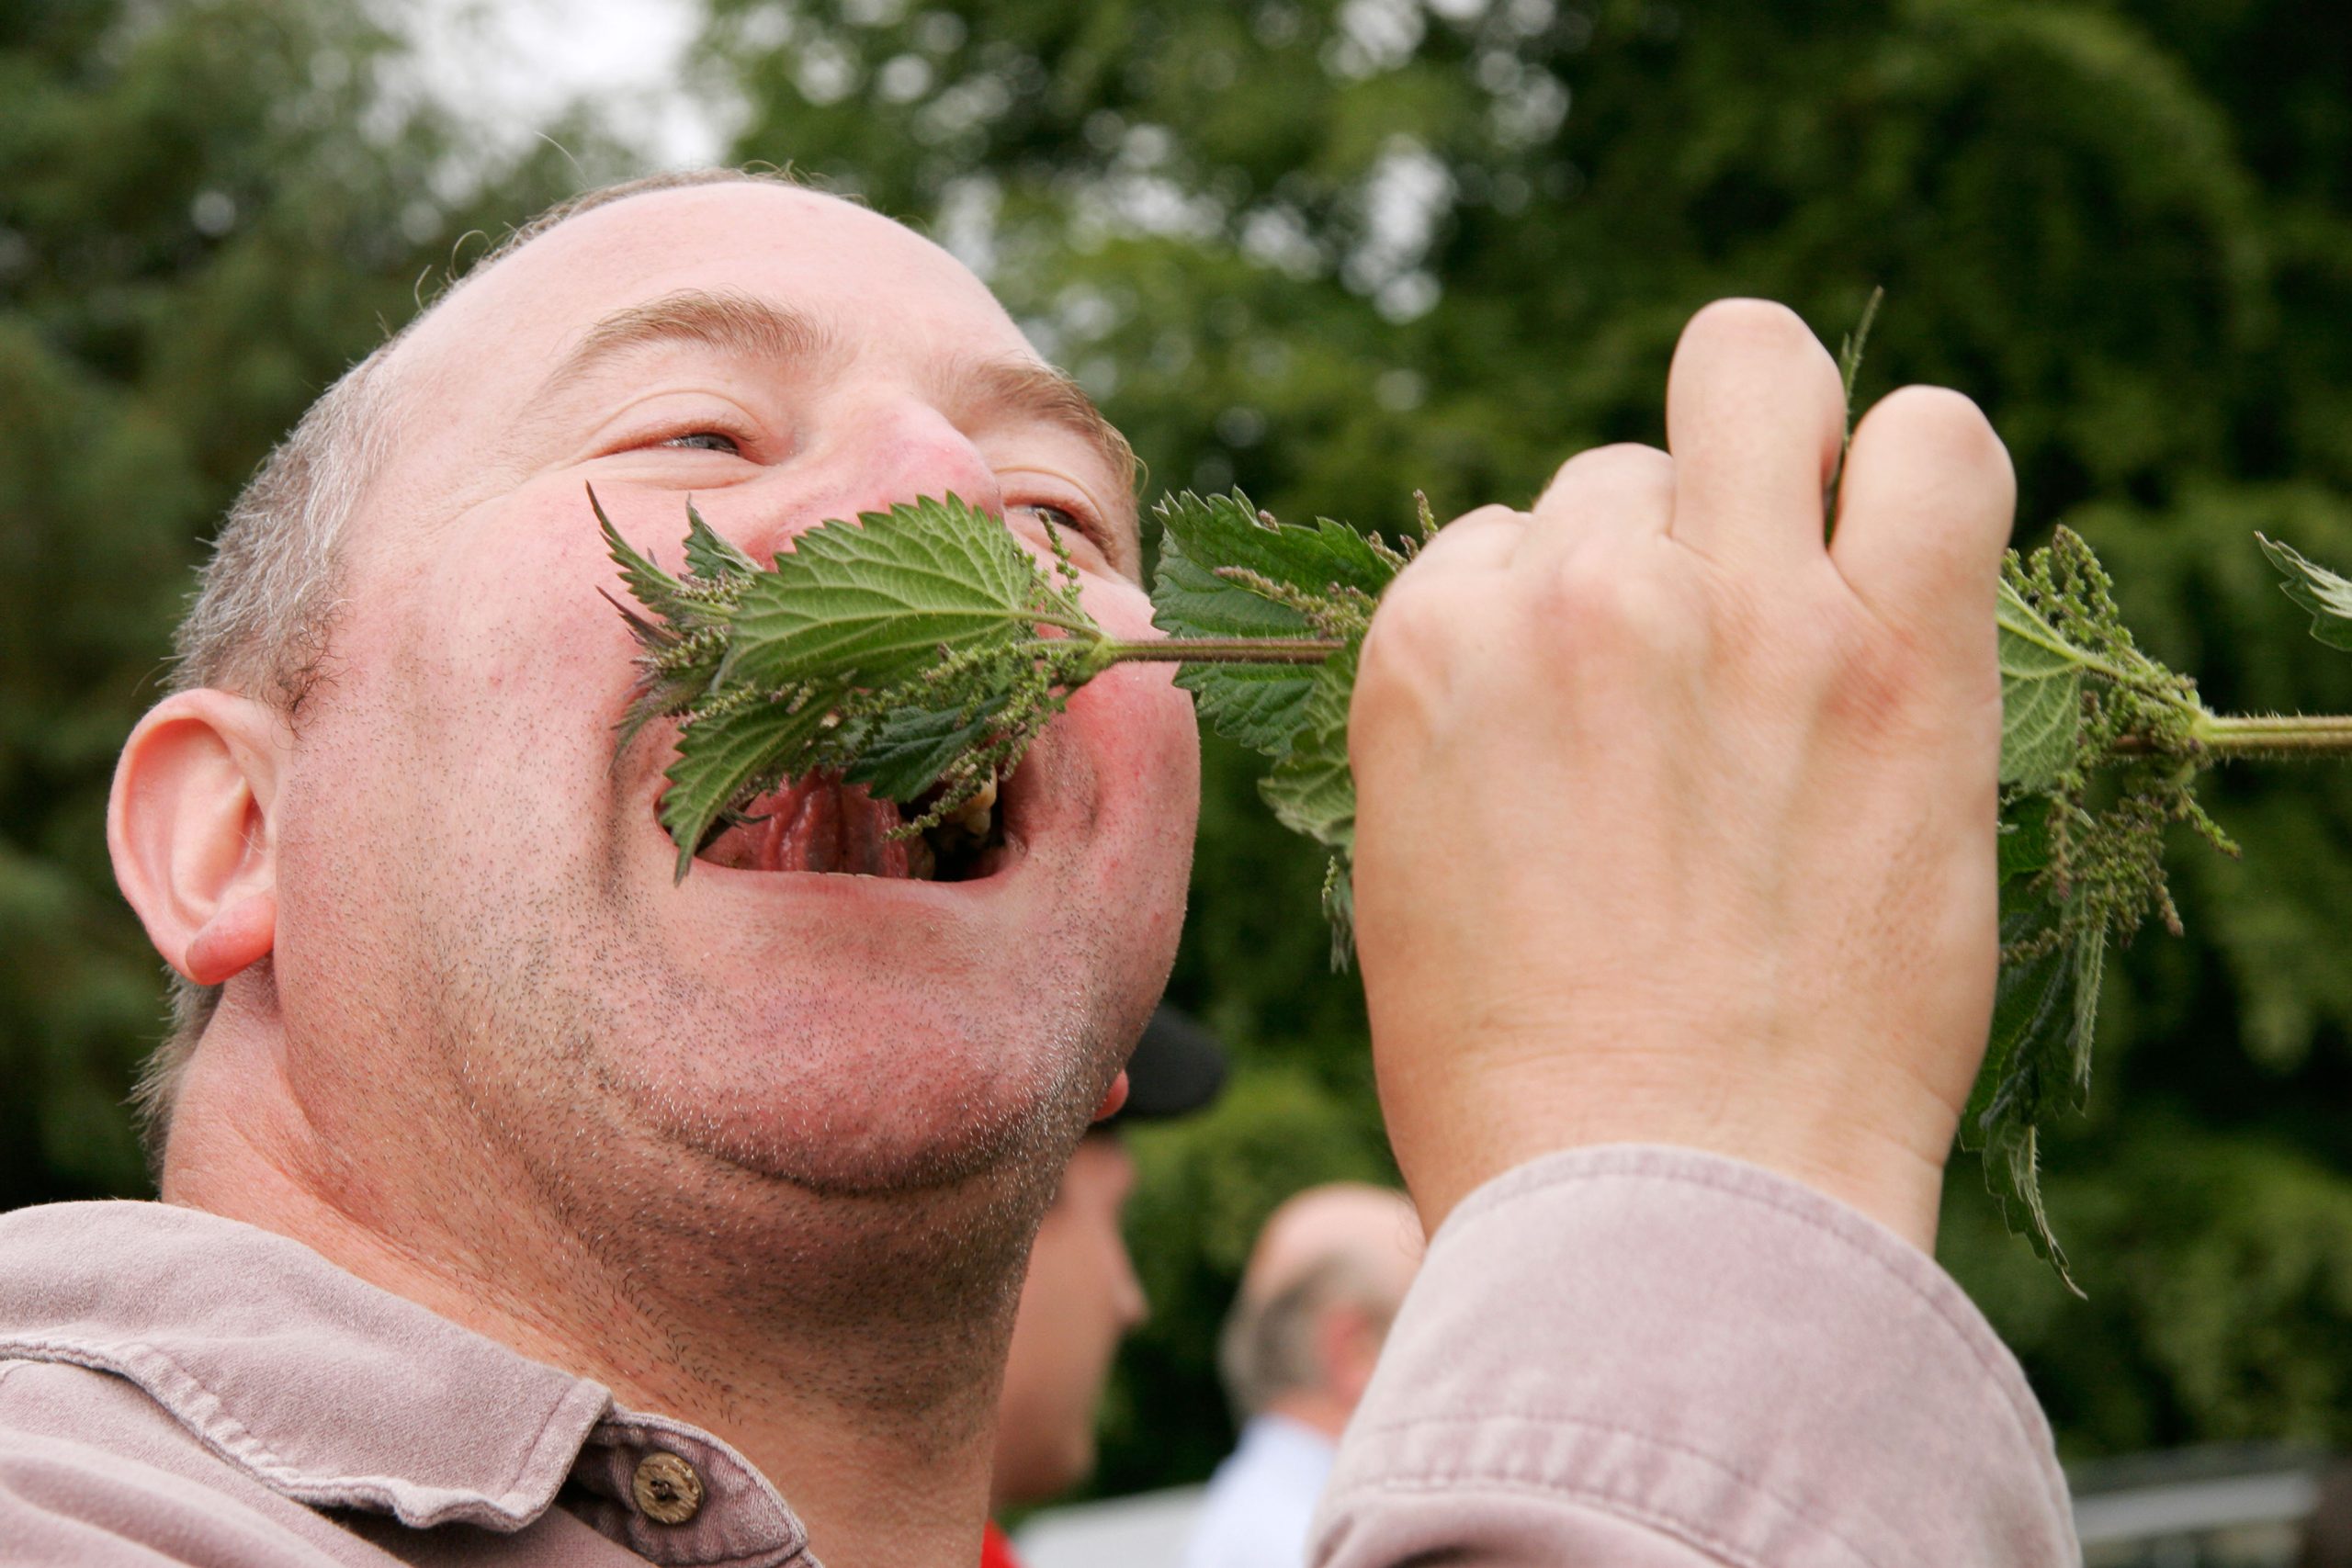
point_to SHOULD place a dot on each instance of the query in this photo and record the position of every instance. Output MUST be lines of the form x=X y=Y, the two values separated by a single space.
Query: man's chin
x=914 y=1099
x=907 y=1154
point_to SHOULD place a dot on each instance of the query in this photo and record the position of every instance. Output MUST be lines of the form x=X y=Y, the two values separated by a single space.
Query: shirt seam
x=222 y=1432
x=514 y=1497
x=1431 y=1475
x=1600 y=1502
x=2003 y=1373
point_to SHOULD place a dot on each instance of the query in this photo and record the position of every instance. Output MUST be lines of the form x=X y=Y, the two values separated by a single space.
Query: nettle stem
x=2275 y=735
x=1221 y=651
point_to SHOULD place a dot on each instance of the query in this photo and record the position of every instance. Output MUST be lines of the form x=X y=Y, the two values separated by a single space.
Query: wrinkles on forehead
x=726 y=320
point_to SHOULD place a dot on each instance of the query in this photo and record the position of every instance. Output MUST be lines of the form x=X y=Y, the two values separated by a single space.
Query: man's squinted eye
x=1062 y=519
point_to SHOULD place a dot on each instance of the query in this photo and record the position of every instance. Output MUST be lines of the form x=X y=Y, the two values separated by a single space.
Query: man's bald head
x=1372 y=1229
x=1329 y=1271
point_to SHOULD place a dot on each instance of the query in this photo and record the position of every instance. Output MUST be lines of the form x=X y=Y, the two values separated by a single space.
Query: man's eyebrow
x=1029 y=389
x=735 y=322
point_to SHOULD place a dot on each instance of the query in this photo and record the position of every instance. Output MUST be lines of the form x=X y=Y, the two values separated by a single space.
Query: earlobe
x=188 y=826
x=1114 y=1098
x=1348 y=1346
x=237 y=936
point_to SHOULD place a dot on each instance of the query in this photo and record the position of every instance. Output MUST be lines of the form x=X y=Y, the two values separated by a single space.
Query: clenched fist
x=1677 y=810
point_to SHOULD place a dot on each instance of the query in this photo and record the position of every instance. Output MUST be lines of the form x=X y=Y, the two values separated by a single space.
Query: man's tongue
x=819 y=824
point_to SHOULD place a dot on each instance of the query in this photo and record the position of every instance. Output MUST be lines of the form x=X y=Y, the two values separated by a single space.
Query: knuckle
x=1762 y=333
x=1415 y=631
x=1623 y=464
x=1594 y=598
x=1493 y=512
x=1760 y=325
x=1940 y=426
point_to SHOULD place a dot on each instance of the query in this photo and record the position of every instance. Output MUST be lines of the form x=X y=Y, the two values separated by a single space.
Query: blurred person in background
x=1324 y=1282
x=1081 y=1297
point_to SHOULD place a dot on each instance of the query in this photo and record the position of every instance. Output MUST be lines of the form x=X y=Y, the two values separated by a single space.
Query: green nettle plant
x=918 y=652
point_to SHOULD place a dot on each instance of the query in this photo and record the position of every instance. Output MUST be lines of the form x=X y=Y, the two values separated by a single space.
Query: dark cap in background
x=1178 y=1068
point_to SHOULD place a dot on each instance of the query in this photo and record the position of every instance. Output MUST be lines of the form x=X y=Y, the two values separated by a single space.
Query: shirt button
x=666 y=1488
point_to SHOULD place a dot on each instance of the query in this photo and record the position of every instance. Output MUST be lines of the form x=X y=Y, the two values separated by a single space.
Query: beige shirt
x=1623 y=1356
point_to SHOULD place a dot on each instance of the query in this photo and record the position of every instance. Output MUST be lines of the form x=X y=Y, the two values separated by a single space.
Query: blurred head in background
x=1081 y=1297
x=1326 y=1278
x=1330 y=1268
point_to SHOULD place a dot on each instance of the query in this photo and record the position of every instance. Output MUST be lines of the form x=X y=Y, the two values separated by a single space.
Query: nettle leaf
x=1198 y=536
x=709 y=555
x=2325 y=594
x=2042 y=704
x=906 y=649
x=2038 y=1059
x=649 y=585
x=2024 y=843
x=1313 y=792
x=1218 y=557
x=886 y=597
x=682 y=641
x=904 y=751
x=723 y=759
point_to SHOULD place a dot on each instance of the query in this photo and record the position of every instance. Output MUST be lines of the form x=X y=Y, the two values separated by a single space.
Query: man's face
x=1080 y=1300
x=465 y=866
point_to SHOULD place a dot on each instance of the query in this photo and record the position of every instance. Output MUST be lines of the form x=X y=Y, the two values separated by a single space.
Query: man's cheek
x=1119 y=606
x=1145 y=737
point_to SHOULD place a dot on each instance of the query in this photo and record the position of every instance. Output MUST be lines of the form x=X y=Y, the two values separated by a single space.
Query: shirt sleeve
x=63 y=1505
x=1654 y=1358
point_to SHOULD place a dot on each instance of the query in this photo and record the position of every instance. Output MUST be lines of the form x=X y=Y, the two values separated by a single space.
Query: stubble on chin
x=859 y=1176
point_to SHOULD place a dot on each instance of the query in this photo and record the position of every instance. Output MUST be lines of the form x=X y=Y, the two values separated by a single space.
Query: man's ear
x=1114 y=1098
x=1347 y=1342
x=190 y=827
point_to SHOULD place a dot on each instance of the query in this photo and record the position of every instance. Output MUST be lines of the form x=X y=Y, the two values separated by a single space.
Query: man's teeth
x=977 y=815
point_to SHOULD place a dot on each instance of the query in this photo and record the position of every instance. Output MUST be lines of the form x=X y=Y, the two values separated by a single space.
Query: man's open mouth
x=821 y=824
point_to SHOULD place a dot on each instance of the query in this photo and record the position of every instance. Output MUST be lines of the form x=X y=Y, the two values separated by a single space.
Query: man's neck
x=859 y=1374
x=1323 y=1414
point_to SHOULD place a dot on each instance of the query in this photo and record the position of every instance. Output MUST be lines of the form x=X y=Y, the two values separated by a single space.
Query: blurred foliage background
x=1332 y=252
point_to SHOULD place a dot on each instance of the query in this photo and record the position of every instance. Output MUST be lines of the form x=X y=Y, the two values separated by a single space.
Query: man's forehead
x=802 y=249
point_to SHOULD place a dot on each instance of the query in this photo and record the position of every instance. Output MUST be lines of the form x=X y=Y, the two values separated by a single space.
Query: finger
x=1476 y=541
x=1923 y=512
x=1620 y=492
x=1755 y=410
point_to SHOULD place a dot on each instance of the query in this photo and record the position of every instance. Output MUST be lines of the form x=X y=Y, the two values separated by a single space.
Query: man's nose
x=874 y=457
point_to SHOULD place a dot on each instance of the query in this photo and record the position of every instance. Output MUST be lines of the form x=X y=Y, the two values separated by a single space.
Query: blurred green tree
x=207 y=211
x=1334 y=250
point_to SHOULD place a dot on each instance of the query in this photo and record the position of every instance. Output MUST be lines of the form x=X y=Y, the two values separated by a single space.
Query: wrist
x=1880 y=1152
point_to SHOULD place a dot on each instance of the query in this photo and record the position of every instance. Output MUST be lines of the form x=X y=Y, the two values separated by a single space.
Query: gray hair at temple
x=262 y=621
x=1342 y=1246
x=1267 y=1348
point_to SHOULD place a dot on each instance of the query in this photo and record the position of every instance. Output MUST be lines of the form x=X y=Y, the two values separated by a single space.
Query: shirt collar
x=1277 y=1439
x=340 y=1394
